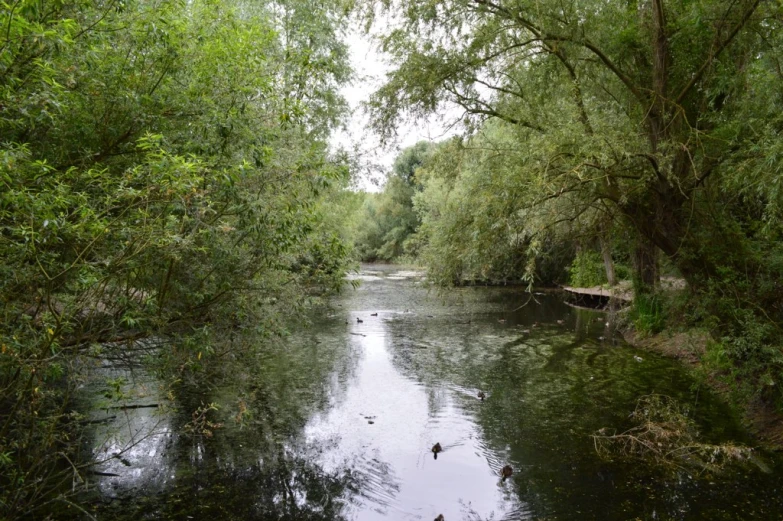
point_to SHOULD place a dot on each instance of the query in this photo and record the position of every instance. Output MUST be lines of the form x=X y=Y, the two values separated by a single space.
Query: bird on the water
x=506 y=472
x=481 y=395
x=436 y=449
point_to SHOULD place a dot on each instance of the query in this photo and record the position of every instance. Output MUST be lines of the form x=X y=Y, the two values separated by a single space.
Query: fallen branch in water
x=666 y=435
x=105 y=474
x=100 y=420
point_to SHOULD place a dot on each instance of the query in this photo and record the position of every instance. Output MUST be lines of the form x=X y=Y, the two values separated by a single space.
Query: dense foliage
x=627 y=129
x=387 y=220
x=163 y=172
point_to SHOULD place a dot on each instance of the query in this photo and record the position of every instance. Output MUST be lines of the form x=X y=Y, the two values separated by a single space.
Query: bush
x=665 y=433
x=647 y=313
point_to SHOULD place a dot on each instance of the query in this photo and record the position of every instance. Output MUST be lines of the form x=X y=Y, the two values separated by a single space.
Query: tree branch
x=465 y=102
x=714 y=54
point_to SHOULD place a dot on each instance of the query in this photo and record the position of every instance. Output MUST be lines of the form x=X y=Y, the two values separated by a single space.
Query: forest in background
x=166 y=175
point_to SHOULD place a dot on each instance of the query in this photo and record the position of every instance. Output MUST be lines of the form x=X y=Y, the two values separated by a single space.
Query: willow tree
x=633 y=107
x=163 y=167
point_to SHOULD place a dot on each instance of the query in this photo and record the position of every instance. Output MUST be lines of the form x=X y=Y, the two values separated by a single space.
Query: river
x=338 y=421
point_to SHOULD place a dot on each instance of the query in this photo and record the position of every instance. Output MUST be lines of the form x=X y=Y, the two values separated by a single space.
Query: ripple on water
x=373 y=398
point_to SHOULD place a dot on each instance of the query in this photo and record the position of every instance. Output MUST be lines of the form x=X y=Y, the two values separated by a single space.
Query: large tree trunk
x=663 y=217
x=606 y=252
x=645 y=263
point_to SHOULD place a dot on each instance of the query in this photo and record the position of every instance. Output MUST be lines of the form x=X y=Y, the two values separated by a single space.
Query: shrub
x=647 y=314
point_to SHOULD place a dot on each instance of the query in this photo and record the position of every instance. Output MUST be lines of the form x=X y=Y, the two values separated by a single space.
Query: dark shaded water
x=338 y=423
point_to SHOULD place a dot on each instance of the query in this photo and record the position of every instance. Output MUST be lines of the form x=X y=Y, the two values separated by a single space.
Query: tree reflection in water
x=338 y=422
x=255 y=465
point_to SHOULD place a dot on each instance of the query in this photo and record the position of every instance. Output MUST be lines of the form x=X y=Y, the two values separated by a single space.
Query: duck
x=359 y=320
x=373 y=314
x=482 y=395
x=440 y=518
x=436 y=449
x=506 y=472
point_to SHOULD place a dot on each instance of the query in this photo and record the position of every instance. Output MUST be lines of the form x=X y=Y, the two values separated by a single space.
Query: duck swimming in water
x=440 y=518
x=506 y=472
x=436 y=449
x=359 y=320
x=481 y=395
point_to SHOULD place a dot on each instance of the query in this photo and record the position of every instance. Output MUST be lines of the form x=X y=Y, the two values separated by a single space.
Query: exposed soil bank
x=763 y=419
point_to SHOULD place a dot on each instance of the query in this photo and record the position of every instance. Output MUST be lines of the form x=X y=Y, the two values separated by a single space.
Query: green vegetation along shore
x=166 y=176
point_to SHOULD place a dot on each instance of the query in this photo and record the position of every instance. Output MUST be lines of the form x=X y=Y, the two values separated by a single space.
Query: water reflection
x=339 y=422
x=385 y=428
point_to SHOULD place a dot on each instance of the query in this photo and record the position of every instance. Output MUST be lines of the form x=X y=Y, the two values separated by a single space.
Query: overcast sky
x=371 y=67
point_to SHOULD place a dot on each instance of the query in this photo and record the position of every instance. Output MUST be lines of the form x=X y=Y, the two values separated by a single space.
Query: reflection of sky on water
x=136 y=452
x=343 y=414
x=386 y=426
x=129 y=445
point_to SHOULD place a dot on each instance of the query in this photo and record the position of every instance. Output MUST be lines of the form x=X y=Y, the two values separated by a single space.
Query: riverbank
x=763 y=419
x=623 y=290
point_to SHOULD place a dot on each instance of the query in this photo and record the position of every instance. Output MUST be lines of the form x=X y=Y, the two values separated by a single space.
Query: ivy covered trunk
x=645 y=265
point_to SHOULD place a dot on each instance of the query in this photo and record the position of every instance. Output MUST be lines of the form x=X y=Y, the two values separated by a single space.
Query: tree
x=409 y=160
x=389 y=219
x=477 y=224
x=163 y=172
x=661 y=116
x=631 y=106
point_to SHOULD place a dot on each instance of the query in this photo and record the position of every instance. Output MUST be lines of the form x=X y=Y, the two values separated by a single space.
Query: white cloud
x=371 y=67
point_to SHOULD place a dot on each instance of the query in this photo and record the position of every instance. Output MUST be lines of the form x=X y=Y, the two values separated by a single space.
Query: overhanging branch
x=714 y=54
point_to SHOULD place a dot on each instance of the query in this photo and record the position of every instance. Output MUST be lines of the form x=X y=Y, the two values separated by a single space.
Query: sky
x=370 y=67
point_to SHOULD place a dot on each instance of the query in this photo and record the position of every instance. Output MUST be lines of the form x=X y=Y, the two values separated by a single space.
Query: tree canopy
x=633 y=109
x=622 y=128
x=164 y=172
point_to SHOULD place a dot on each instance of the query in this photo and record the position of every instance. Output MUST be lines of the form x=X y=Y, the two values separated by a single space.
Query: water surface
x=338 y=421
